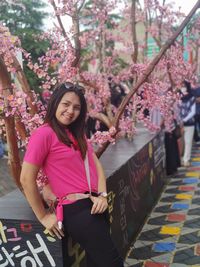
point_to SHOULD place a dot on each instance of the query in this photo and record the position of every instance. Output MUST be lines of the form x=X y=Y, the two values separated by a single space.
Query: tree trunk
x=20 y=128
x=13 y=152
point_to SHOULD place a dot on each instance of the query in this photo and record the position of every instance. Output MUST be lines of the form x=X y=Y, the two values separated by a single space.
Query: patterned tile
x=153 y=235
x=180 y=206
x=178 y=265
x=171 y=235
x=196 y=201
x=192 y=174
x=160 y=220
x=169 y=199
x=195 y=223
x=193 y=168
x=196 y=164
x=176 y=182
x=165 y=209
x=184 y=196
x=175 y=217
x=155 y=264
x=173 y=190
x=186 y=256
x=187 y=188
x=191 y=238
x=164 y=247
x=143 y=253
x=194 y=211
x=170 y=230
x=190 y=181
x=196 y=158
x=132 y=263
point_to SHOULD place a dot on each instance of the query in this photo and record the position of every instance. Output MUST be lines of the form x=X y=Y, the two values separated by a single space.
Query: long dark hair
x=189 y=94
x=77 y=127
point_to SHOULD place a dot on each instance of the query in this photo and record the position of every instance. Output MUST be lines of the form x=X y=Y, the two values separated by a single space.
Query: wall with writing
x=26 y=243
x=133 y=190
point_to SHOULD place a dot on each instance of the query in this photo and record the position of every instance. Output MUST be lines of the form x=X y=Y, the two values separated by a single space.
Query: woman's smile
x=68 y=109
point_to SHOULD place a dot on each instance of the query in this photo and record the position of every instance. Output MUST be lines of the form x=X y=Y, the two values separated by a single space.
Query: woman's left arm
x=100 y=203
x=101 y=175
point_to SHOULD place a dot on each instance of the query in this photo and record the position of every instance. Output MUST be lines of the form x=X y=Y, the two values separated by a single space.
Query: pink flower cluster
x=99 y=138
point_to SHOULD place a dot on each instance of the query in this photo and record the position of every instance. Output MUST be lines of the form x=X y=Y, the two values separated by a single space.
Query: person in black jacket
x=196 y=93
x=187 y=113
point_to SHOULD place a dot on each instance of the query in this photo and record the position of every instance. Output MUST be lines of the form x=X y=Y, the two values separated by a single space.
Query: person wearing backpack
x=187 y=113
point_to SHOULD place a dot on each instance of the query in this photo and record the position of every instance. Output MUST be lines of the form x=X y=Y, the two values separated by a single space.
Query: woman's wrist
x=42 y=215
x=103 y=194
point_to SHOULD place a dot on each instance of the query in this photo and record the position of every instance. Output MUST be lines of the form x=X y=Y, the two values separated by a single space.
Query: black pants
x=172 y=153
x=92 y=232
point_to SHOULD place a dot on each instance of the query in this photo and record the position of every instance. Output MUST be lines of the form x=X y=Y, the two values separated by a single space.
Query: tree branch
x=59 y=19
x=75 y=20
x=24 y=86
x=81 y=6
x=133 y=31
x=147 y=73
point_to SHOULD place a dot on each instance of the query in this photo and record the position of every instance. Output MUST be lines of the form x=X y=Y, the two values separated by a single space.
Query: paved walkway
x=171 y=234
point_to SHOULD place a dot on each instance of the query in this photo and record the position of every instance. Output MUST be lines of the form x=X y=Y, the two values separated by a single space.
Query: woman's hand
x=100 y=204
x=49 y=221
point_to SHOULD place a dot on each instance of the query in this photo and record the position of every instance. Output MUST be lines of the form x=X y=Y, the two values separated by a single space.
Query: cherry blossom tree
x=100 y=48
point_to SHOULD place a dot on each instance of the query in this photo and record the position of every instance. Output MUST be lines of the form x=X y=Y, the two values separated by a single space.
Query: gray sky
x=186 y=5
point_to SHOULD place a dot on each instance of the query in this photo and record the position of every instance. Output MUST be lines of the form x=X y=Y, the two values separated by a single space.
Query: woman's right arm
x=28 y=180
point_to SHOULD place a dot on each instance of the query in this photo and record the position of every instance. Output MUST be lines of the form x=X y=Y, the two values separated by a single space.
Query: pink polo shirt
x=63 y=165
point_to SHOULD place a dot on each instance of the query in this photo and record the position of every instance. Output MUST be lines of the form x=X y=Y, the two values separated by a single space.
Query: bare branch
x=81 y=6
x=24 y=85
x=133 y=30
x=75 y=19
x=59 y=19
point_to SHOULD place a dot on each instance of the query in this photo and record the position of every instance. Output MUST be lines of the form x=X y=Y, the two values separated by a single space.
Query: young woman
x=59 y=148
x=187 y=113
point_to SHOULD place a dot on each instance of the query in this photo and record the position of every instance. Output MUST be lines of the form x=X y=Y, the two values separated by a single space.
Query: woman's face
x=68 y=109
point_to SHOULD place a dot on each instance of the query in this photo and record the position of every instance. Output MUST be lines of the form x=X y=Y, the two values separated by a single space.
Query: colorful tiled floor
x=171 y=235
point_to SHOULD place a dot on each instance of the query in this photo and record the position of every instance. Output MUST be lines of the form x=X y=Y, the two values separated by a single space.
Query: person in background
x=170 y=138
x=81 y=199
x=172 y=149
x=100 y=121
x=196 y=93
x=197 y=122
x=1 y=148
x=187 y=113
